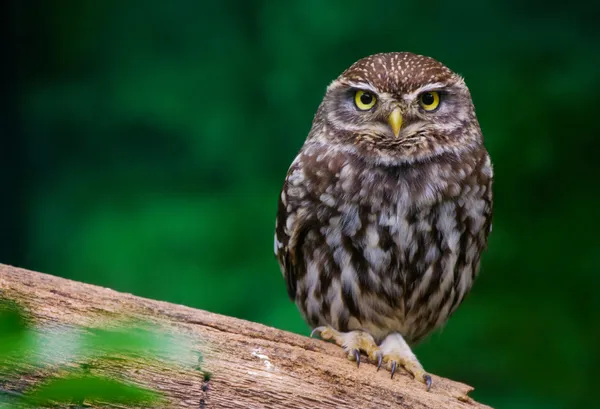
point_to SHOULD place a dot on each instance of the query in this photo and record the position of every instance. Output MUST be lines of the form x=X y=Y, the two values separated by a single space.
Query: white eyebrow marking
x=429 y=87
x=362 y=85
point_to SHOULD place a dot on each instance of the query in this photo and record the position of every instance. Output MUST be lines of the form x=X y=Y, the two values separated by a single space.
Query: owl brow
x=362 y=85
x=436 y=86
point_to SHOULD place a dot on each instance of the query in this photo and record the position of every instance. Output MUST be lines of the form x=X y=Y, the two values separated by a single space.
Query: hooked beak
x=395 y=121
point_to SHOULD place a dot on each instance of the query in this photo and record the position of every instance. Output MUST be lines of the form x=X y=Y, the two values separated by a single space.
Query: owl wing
x=295 y=218
x=287 y=258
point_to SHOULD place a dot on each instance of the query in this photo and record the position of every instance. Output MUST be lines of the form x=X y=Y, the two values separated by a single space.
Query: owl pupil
x=366 y=98
x=428 y=98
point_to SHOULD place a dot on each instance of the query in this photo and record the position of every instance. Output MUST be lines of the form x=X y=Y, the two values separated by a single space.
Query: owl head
x=398 y=108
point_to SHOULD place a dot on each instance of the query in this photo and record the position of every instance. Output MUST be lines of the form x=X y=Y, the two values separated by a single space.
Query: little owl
x=387 y=208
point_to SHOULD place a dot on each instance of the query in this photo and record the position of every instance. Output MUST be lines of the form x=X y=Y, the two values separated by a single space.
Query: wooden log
x=251 y=365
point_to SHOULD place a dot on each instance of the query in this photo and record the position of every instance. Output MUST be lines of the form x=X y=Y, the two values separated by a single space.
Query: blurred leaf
x=12 y=319
x=133 y=341
x=15 y=339
x=80 y=388
x=136 y=341
x=9 y=398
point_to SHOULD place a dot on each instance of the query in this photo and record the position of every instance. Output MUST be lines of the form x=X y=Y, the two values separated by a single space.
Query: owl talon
x=356 y=354
x=427 y=380
x=379 y=359
x=393 y=370
x=317 y=331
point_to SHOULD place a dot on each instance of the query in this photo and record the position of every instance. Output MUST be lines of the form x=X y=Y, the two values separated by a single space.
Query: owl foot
x=353 y=342
x=396 y=352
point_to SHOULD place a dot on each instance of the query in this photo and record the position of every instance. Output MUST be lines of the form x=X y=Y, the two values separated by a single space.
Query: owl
x=386 y=209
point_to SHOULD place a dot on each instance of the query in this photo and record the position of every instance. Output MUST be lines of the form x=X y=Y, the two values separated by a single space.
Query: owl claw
x=393 y=370
x=317 y=330
x=427 y=380
x=379 y=359
x=356 y=353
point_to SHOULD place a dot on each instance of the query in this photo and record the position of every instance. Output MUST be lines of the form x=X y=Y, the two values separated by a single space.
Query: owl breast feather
x=382 y=248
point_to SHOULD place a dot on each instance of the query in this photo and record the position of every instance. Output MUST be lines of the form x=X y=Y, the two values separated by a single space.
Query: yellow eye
x=429 y=101
x=364 y=100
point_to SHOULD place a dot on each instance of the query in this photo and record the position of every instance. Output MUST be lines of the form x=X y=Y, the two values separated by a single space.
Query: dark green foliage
x=152 y=138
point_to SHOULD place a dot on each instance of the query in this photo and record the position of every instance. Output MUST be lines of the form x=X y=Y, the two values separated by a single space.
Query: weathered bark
x=251 y=365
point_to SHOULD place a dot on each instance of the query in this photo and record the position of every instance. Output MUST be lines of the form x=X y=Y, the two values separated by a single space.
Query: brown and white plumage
x=385 y=211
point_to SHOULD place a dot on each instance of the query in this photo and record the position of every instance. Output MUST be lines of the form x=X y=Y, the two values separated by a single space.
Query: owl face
x=398 y=107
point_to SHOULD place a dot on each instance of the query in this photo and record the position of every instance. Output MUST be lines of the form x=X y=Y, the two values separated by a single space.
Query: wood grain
x=250 y=365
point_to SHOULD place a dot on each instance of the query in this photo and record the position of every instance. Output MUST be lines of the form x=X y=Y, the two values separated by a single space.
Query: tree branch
x=250 y=365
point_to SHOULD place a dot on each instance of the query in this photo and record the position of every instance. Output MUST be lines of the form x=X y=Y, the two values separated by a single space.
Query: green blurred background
x=144 y=144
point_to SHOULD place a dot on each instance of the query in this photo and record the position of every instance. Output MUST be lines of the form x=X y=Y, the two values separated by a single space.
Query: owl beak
x=395 y=121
